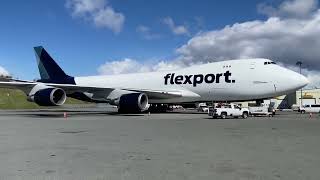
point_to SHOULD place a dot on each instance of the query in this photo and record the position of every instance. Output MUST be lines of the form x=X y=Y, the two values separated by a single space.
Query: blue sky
x=90 y=37
x=81 y=47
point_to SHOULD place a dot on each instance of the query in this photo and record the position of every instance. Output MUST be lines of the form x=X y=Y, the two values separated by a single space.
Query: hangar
x=309 y=96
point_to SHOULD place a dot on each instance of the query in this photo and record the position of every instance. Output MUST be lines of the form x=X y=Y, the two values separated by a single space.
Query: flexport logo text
x=198 y=78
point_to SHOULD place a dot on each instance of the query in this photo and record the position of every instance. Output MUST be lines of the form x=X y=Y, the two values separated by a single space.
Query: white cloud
x=166 y=66
x=133 y=66
x=3 y=71
x=143 y=29
x=119 y=67
x=283 y=37
x=97 y=12
x=146 y=33
x=285 y=40
x=176 y=29
x=290 y=8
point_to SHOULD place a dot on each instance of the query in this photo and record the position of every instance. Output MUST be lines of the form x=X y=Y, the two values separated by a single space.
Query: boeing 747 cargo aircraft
x=234 y=80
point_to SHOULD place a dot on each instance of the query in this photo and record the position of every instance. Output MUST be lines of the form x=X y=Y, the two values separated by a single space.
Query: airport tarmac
x=93 y=144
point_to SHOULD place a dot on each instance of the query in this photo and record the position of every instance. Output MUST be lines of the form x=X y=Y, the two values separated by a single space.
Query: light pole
x=299 y=63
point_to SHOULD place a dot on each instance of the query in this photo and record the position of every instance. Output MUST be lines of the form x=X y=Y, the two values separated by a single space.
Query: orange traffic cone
x=310 y=115
x=65 y=115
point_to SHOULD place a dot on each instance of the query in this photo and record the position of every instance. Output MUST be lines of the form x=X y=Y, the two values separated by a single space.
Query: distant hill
x=16 y=99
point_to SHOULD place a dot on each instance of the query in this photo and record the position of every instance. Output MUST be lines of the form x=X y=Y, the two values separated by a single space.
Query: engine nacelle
x=49 y=97
x=133 y=103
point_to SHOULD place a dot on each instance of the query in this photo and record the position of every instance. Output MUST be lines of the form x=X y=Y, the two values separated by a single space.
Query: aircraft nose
x=299 y=80
x=303 y=81
x=290 y=81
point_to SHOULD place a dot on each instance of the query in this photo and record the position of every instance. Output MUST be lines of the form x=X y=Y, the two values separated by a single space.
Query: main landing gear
x=159 y=108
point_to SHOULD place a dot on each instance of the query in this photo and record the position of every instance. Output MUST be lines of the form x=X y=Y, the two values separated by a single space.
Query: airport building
x=309 y=96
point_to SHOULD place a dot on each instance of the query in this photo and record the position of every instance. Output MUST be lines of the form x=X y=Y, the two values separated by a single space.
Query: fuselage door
x=252 y=65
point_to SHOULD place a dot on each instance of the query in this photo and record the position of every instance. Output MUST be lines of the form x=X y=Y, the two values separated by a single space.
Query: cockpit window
x=268 y=62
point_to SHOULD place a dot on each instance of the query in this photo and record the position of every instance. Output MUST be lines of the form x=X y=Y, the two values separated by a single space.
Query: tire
x=303 y=112
x=223 y=115
x=245 y=115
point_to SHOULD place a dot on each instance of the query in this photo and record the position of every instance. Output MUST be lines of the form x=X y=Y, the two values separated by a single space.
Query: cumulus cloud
x=120 y=67
x=290 y=8
x=176 y=29
x=3 y=71
x=146 y=33
x=127 y=65
x=282 y=39
x=98 y=12
x=166 y=66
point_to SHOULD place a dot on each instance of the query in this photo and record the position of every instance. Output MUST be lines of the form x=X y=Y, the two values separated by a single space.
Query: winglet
x=49 y=70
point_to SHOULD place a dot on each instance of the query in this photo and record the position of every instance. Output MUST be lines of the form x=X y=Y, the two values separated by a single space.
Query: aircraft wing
x=99 y=92
x=68 y=88
x=24 y=86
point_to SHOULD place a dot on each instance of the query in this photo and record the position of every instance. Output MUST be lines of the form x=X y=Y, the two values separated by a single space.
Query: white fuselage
x=235 y=80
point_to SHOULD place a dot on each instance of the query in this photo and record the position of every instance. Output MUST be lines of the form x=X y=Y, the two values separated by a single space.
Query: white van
x=295 y=107
x=311 y=108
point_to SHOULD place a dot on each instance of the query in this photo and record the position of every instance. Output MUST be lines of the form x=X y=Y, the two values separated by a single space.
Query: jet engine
x=49 y=97
x=133 y=103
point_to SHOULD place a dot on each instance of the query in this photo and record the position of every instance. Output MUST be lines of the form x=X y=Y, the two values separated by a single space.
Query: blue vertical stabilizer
x=50 y=72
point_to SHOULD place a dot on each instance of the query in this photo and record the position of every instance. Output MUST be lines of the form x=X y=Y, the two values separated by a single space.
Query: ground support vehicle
x=228 y=110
